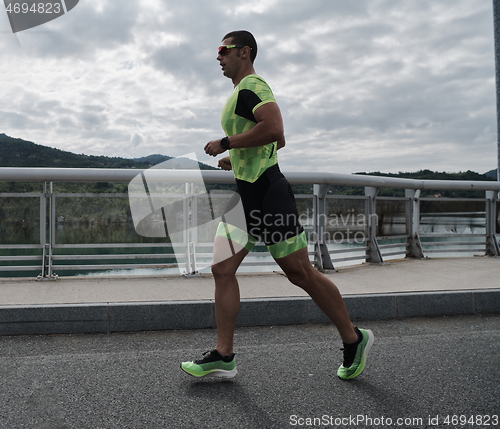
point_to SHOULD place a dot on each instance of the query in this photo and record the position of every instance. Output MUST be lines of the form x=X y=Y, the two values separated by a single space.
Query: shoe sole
x=217 y=373
x=369 y=344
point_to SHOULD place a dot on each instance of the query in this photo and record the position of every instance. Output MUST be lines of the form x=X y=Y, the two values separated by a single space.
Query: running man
x=253 y=126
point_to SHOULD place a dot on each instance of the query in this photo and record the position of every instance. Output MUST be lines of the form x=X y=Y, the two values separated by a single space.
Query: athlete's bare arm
x=269 y=128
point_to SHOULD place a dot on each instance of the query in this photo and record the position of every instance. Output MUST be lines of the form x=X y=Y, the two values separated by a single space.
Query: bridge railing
x=71 y=232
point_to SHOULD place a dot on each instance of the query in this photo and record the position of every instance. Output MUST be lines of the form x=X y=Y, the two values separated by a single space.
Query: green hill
x=492 y=174
x=153 y=159
x=21 y=153
x=15 y=152
x=425 y=175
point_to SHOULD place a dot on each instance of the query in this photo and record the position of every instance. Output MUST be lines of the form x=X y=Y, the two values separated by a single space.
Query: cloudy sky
x=363 y=85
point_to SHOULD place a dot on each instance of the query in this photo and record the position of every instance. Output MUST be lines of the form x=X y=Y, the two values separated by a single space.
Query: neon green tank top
x=237 y=117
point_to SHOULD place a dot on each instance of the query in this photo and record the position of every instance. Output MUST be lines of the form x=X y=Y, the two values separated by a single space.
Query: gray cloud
x=390 y=85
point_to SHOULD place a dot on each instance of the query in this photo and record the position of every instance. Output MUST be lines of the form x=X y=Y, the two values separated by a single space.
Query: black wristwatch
x=225 y=143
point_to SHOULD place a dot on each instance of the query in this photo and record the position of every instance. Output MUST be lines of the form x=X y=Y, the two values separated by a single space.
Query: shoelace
x=209 y=356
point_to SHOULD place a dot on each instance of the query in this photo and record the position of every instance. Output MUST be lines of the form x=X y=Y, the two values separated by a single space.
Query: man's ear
x=245 y=51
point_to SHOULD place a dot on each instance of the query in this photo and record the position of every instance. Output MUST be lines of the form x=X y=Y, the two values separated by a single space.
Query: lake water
x=468 y=229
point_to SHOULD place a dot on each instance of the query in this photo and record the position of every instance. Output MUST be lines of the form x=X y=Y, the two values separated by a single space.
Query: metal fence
x=61 y=237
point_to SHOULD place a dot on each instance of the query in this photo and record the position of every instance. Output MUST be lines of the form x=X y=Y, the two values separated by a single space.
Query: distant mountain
x=16 y=152
x=426 y=175
x=492 y=174
x=153 y=159
x=436 y=175
x=21 y=153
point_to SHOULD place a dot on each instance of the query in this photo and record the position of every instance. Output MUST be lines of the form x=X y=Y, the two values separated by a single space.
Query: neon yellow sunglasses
x=224 y=49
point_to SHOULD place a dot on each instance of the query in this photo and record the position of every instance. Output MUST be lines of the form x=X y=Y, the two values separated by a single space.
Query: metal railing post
x=46 y=273
x=321 y=255
x=492 y=245
x=190 y=230
x=186 y=226
x=413 y=223
x=52 y=235
x=373 y=253
x=43 y=229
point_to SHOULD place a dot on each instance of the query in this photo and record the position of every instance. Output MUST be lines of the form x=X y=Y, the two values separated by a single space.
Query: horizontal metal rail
x=28 y=174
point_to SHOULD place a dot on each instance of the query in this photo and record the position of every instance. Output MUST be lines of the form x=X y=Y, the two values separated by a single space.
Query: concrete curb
x=153 y=316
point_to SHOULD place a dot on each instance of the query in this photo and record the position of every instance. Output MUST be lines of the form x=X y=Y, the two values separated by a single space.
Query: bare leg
x=321 y=289
x=228 y=256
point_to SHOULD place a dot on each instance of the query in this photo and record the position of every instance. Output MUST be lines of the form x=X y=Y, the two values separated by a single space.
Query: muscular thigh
x=228 y=254
x=280 y=216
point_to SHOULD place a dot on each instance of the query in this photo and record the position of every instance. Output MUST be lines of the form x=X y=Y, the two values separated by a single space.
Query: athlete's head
x=243 y=38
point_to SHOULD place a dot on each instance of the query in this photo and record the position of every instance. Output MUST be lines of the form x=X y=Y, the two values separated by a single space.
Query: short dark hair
x=244 y=38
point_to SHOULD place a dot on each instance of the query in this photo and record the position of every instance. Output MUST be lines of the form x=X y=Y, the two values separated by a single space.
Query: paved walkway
x=421 y=374
x=427 y=275
x=405 y=288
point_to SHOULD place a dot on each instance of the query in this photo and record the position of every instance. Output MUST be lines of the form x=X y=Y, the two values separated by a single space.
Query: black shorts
x=270 y=215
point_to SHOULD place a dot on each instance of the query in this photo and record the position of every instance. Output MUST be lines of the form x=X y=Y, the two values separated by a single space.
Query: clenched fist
x=214 y=148
x=225 y=163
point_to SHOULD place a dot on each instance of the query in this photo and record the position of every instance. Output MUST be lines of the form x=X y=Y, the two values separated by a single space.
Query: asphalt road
x=419 y=369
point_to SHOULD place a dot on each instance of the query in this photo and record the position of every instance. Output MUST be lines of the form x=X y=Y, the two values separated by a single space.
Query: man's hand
x=213 y=148
x=225 y=164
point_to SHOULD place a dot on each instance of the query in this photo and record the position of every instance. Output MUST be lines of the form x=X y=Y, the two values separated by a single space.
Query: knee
x=299 y=276
x=222 y=270
x=305 y=277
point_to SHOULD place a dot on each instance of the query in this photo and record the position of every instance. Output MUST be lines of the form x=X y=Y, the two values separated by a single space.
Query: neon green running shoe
x=213 y=364
x=355 y=355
